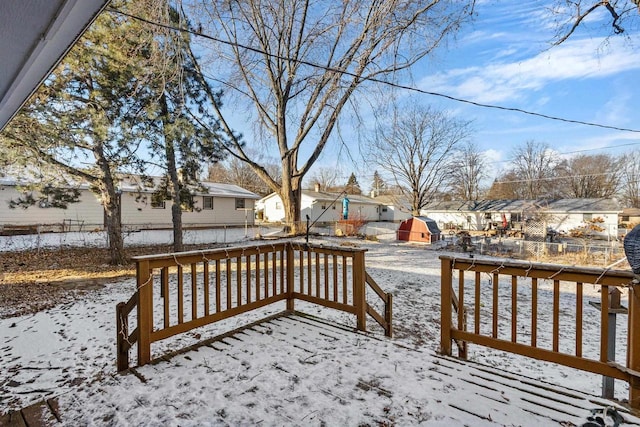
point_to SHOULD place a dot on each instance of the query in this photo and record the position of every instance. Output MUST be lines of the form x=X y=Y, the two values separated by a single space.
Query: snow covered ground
x=69 y=351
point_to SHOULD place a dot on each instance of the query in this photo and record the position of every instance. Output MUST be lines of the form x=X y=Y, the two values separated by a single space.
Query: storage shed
x=419 y=229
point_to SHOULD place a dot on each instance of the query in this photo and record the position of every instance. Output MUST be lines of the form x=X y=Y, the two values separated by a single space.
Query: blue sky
x=505 y=58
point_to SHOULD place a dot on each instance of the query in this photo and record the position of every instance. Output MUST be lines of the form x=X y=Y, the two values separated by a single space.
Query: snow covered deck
x=300 y=370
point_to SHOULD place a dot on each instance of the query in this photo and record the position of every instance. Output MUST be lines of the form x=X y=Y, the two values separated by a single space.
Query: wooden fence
x=213 y=285
x=504 y=313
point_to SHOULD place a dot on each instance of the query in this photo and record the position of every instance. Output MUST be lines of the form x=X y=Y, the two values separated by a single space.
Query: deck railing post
x=445 y=306
x=290 y=266
x=634 y=343
x=359 y=294
x=145 y=311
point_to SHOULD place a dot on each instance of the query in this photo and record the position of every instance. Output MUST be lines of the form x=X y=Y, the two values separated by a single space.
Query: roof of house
x=320 y=196
x=521 y=205
x=134 y=183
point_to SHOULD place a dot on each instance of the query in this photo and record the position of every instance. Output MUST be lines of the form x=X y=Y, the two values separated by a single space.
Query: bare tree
x=572 y=14
x=416 y=149
x=325 y=178
x=591 y=176
x=535 y=165
x=505 y=186
x=630 y=185
x=239 y=173
x=299 y=62
x=468 y=169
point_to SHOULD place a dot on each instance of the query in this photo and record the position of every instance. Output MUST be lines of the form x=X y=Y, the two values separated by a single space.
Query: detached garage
x=419 y=229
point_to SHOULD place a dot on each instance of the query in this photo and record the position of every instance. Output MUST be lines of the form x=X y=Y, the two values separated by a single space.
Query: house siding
x=136 y=212
x=83 y=212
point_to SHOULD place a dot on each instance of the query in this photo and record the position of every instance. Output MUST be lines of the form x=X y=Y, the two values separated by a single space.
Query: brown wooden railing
x=517 y=325
x=182 y=291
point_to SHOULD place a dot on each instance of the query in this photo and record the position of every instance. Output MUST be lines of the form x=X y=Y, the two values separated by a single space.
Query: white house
x=559 y=214
x=322 y=207
x=218 y=205
x=393 y=208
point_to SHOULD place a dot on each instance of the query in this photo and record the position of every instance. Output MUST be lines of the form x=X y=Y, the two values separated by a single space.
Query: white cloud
x=508 y=81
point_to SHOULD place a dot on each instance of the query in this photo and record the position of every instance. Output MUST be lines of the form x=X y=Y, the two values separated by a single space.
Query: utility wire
x=372 y=79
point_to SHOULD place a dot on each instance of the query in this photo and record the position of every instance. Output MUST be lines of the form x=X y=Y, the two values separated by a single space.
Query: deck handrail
x=526 y=276
x=196 y=288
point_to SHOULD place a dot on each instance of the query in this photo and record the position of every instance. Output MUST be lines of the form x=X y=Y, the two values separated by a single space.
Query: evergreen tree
x=187 y=133
x=352 y=186
x=87 y=119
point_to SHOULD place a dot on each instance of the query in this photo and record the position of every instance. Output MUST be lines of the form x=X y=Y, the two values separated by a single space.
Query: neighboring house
x=322 y=207
x=559 y=214
x=630 y=217
x=393 y=208
x=86 y=213
x=220 y=204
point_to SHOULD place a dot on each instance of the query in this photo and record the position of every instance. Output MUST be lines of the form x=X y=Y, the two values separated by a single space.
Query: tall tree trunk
x=173 y=178
x=111 y=204
x=291 y=203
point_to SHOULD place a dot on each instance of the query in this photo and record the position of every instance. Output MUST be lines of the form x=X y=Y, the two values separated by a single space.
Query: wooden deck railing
x=182 y=291
x=506 y=313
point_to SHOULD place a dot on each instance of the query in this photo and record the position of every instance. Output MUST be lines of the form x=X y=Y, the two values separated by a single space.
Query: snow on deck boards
x=298 y=370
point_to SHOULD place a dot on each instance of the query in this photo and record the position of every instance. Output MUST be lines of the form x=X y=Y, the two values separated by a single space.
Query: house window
x=323 y=207
x=487 y=215
x=278 y=205
x=384 y=209
x=625 y=218
x=587 y=217
x=239 y=203
x=157 y=204
x=516 y=217
x=207 y=202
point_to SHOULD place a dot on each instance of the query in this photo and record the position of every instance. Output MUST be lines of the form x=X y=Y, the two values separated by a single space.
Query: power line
x=373 y=79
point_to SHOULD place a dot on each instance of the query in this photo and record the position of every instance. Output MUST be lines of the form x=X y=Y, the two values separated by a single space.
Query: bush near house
x=351 y=226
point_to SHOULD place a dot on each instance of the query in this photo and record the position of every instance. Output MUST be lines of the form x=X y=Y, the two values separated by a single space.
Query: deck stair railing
x=503 y=300
x=182 y=291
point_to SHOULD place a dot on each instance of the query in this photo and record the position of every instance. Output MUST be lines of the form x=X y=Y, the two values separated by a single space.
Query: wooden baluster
x=476 y=313
x=318 y=274
x=556 y=315
x=164 y=286
x=205 y=276
x=345 y=291
x=534 y=312
x=514 y=308
x=218 y=286
x=494 y=329
x=194 y=292
x=180 y=296
x=579 y=303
